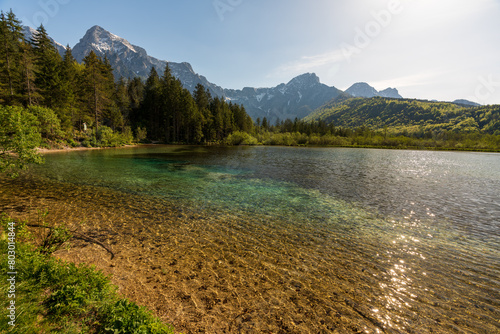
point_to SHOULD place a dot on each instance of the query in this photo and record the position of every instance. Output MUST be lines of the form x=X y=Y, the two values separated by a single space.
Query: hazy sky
x=430 y=49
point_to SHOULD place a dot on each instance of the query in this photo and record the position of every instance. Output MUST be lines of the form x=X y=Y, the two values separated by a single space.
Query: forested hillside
x=408 y=116
x=84 y=104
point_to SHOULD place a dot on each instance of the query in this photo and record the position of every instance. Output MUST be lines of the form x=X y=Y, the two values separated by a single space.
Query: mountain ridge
x=298 y=98
x=362 y=89
x=130 y=60
x=295 y=99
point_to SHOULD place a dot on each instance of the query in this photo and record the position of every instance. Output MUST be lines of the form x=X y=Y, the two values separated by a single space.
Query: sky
x=428 y=49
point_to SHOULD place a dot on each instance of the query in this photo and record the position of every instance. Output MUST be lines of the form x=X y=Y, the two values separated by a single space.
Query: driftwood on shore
x=79 y=236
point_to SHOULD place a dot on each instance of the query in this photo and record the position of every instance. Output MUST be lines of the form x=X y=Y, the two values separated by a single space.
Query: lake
x=291 y=240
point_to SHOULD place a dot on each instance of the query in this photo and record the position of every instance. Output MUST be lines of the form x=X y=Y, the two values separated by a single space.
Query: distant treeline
x=307 y=133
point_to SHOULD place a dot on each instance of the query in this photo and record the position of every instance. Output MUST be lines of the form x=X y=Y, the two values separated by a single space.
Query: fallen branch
x=80 y=236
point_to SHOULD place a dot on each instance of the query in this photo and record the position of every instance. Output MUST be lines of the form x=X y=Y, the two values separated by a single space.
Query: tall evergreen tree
x=174 y=108
x=122 y=102
x=30 y=94
x=191 y=119
x=151 y=105
x=96 y=87
x=135 y=90
x=48 y=69
x=11 y=39
x=111 y=112
x=202 y=98
x=69 y=83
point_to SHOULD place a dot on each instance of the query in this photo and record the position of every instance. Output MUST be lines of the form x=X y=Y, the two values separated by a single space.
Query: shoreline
x=408 y=148
x=42 y=150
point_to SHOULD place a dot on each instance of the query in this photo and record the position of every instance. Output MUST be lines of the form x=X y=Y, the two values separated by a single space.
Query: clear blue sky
x=431 y=49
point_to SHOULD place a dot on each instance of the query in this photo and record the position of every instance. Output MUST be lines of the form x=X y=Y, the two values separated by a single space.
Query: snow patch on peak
x=105 y=41
x=123 y=41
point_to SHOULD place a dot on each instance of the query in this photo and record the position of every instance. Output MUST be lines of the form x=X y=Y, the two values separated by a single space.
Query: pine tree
x=217 y=111
x=265 y=124
x=135 y=90
x=11 y=39
x=95 y=87
x=111 y=113
x=169 y=104
x=191 y=119
x=151 y=105
x=48 y=69
x=29 y=92
x=202 y=98
x=174 y=108
x=122 y=102
x=69 y=83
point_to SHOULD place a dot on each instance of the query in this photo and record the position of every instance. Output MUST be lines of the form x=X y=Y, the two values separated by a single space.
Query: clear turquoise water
x=410 y=240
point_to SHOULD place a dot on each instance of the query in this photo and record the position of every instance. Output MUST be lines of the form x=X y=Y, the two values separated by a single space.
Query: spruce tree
x=69 y=83
x=202 y=98
x=29 y=91
x=11 y=39
x=135 y=90
x=151 y=105
x=48 y=69
x=121 y=102
x=94 y=83
x=111 y=113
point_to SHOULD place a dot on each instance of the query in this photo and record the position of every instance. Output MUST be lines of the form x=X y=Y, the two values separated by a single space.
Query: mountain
x=467 y=103
x=362 y=89
x=29 y=32
x=130 y=60
x=298 y=98
x=390 y=93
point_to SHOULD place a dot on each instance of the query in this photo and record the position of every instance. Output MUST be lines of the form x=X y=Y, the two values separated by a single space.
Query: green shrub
x=107 y=137
x=127 y=135
x=48 y=122
x=19 y=134
x=125 y=317
x=141 y=134
x=240 y=138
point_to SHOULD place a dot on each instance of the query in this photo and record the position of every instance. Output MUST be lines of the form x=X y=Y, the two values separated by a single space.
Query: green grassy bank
x=42 y=294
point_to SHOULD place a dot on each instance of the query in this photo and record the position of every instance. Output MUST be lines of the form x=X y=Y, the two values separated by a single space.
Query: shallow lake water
x=295 y=240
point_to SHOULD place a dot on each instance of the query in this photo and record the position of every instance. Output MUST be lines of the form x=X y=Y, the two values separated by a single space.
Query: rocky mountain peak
x=103 y=42
x=305 y=80
x=299 y=97
x=391 y=93
x=130 y=60
x=362 y=89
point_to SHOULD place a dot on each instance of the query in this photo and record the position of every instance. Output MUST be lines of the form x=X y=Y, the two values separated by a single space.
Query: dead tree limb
x=80 y=236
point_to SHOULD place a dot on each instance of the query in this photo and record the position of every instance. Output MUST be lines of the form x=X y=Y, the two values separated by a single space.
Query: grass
x=52 y=296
